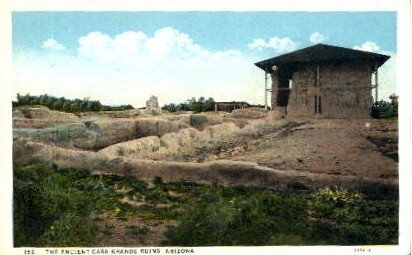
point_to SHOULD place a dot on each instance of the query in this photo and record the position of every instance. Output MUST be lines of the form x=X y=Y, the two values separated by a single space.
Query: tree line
x=200 y=105
x=67 y=105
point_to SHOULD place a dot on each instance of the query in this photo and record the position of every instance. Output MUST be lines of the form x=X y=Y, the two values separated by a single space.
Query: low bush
x=331 y=216
x=55 y=208
x=385 y=110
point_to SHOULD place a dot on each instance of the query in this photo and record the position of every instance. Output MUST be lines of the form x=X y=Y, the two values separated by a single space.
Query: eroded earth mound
x=246 y=147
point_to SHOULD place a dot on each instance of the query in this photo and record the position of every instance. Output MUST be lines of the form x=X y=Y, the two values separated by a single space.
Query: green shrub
x=341 y=217
x=30 y=213
x=206 y=223
x=260 y=219
x=59 y=208
x=384 y=110
x=55 y=208
x=136 y=231
x=232 y=216
x=69 y=230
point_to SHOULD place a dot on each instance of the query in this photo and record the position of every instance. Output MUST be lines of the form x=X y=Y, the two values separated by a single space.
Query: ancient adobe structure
x=323 y=81
x=230 y=106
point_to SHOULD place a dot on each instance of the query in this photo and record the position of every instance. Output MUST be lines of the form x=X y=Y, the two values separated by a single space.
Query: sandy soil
x=361 y=148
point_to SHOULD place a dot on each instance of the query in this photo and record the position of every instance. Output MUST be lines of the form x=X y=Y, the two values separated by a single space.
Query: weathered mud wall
x=220 y=171
x=95 y=135
x=343 y=90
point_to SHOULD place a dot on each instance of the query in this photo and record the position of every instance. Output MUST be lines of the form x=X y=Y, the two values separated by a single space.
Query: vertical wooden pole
x=266 y=90
x=317 y=90
x=376 y=84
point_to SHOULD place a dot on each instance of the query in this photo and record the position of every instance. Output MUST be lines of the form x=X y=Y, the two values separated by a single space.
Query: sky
x=125 y=57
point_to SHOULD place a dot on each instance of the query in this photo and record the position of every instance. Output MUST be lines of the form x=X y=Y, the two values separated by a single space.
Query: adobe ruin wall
x=344 y=90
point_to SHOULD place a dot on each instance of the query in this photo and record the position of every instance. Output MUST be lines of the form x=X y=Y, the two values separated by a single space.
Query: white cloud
x=387 y=72
x=317 y=38
x=281 y=45
x=368 y=46
x=129 y=42
x=259 y=44
x=52 y=44
x=96 y=44
x=131 y=66
x=166 y=43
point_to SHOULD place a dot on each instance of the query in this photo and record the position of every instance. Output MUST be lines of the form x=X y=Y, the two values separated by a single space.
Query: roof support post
x=266 y=90
x=376 y=84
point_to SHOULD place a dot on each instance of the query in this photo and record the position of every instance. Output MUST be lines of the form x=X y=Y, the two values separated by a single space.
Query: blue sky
x=124 y=57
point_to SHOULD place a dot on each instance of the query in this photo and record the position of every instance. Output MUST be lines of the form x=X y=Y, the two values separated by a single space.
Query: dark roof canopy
x=320 y=53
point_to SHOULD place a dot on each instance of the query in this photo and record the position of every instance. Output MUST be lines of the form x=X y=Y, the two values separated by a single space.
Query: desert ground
x=247 y=147
x=332 y=149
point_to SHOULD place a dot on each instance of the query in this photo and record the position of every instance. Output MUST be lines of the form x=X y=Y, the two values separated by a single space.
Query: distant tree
x=67 y=105
x=48 y=101
x=25 y=99
x=34 y=100
x=394 y=100
x=96 y=106
x=74 y=107
x=200 y=105
x=57 y=106
x=197 y=106
x=83 y=106
x=383 y=109
x=18 y=96
x=89 y=106
x=209 y=105
x=170 y=107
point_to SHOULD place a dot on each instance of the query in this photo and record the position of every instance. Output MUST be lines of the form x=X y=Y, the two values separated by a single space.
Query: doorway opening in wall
x=318 y=104
x=284 y=87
